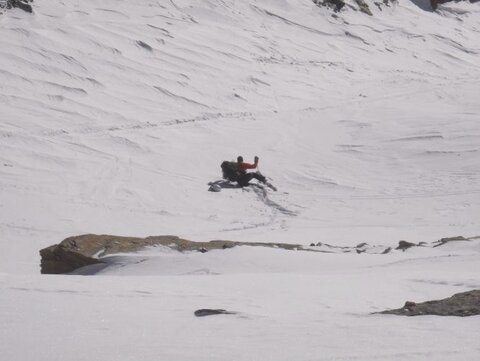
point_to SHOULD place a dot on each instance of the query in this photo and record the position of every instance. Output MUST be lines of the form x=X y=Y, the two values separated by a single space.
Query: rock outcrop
x=85 y=250
x=443 y=241
x=59 y=259
x=356 y=5
x=210 y=312
x=337 y=5
x=21 y=4
x=460 y=304
x=404 y=245
x=435 y=3
x=362 y=5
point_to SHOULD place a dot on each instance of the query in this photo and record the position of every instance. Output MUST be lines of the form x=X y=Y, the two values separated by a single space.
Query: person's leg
x=244 y=179
x=259 y=177
x=263 y=180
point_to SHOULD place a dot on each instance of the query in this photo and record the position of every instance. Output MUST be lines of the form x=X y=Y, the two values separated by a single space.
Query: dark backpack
x=230 y=171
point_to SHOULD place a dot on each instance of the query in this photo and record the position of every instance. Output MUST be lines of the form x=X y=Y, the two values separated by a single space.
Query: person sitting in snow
x=245 y=176
x=237 y=172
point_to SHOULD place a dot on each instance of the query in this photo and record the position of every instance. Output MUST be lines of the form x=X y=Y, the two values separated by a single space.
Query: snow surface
x=114 y=116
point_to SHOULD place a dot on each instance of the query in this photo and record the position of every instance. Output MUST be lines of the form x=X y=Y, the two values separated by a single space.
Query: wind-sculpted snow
x=115 y=116
x=367 y=125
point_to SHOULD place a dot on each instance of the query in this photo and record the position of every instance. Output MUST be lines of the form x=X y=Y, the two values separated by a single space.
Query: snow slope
x=114 y=116
x=291 y=306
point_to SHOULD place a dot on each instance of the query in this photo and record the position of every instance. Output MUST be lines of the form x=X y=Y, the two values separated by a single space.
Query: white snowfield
x=116 y=114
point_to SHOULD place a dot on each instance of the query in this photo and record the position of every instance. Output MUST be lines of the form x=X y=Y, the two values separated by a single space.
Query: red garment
x=245 y=166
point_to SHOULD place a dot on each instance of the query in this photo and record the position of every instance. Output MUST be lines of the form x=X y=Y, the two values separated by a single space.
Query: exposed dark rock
x=21 y=4
x=209 y=312
x=363 y=6
x=58 y=259
x=403 y=245
x=460 y=304
x=386 y=3
x=144 y=45
x=409 y=305
x=379 y=249
x=442 y=241
x=337 y=5
x=361 y=248
x=387 y=250
x=435 y=3
x=85 y=250
x=81 y=251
